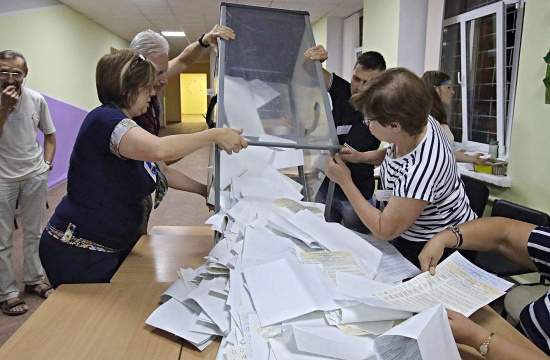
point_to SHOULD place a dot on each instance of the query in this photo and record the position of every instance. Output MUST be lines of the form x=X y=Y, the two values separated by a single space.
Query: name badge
x=151 y=170
x=383 y=195
x=343 y=129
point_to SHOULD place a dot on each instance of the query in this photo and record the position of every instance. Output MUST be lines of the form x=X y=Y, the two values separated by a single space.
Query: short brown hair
x=396 y=95
x=120 y=75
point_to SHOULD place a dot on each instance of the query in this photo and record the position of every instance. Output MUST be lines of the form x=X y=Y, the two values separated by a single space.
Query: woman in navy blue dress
x=111 y=172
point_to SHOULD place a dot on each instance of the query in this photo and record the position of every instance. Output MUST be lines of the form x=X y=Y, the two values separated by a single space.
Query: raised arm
x=319 y=53
x=508 y=237
x=139 y=144
x=195 y=50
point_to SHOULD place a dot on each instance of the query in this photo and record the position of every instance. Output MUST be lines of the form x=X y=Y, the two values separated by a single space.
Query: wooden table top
x=158 y=257
x=94 y=321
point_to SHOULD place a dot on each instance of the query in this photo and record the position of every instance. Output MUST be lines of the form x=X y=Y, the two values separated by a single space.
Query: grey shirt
x=20 y=153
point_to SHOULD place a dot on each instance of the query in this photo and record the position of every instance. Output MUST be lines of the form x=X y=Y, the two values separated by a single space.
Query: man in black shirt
x=351 y=130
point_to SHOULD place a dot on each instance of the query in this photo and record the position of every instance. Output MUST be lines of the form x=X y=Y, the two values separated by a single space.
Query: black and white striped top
x=535 y=317
x=428 y=173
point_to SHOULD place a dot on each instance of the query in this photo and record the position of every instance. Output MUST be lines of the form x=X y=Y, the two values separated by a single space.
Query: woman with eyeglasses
x=422 y=192
x=111 y=171
x=441 y=90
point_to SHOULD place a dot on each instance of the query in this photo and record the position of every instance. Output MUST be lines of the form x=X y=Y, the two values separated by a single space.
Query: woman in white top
x=442 y=92
x=419 y=175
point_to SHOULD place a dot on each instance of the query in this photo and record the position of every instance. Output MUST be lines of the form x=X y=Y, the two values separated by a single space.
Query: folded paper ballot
x=283 y=289
x=211 y=302
x=163 y=318
x=426 y=336
x=331 y=342
x=335 y=237
x=317 y=343
x=393 y=267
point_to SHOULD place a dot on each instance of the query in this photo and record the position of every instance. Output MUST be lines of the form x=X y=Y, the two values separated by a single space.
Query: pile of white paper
x=284 y=284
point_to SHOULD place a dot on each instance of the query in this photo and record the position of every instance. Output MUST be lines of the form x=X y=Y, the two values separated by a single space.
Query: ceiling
x=128 y=17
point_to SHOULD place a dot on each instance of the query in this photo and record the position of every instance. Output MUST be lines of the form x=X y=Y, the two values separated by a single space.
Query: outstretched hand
x=316 y=53
x=230 y=140
x=217 y=32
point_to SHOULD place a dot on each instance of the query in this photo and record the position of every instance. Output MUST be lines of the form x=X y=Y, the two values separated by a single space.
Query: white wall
x=412 y=35
x=434 y=26
x=335 y=31
x=350 y=42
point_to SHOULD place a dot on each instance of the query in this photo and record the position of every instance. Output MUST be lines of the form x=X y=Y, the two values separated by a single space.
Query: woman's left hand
x=337 y=170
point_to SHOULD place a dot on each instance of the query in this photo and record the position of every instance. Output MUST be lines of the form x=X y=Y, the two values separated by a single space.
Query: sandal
x=43 y=289
x=8 y=307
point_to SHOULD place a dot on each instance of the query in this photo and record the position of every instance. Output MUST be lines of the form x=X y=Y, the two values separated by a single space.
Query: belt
x=68 y=238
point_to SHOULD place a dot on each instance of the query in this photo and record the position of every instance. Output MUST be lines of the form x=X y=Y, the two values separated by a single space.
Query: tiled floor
x=177 y=208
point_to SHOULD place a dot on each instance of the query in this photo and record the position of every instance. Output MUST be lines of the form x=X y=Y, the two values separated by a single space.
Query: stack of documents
x=284 y=284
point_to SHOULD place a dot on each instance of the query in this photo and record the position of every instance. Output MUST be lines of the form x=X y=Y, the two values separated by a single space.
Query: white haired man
x=156 y=48
x=24 y=169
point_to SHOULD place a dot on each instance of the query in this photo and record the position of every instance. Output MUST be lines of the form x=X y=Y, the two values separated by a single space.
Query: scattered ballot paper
x=457 y=284
x=282 y=290
x=426 y=336
x=163 y=318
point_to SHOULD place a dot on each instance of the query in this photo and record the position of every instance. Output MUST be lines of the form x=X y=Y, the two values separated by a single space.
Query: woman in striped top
x=523 y=243
x=418 y=170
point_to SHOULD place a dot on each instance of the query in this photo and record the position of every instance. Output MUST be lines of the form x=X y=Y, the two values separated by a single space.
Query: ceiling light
x=173 y=33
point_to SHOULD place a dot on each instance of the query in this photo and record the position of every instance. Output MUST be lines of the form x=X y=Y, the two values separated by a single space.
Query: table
x=159 y=256
x=94 y=321
x=107 y=321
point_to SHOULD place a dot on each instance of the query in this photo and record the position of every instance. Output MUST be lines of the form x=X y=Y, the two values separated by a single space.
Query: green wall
x=381 y=28
x=530 y=150
x=62 y=48
x=319 y=29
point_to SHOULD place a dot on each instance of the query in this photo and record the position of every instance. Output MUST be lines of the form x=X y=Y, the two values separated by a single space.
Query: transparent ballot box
x=278 y=97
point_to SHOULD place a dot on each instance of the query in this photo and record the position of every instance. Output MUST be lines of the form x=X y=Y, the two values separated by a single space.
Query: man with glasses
x=24 y=169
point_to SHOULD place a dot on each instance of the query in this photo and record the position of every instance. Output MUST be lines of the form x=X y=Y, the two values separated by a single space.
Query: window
x=480 y=50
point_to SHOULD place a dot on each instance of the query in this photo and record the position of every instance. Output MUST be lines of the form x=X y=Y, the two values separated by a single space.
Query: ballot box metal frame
x=222 y=117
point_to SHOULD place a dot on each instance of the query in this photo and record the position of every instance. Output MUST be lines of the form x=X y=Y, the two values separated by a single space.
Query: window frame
x=504 y=120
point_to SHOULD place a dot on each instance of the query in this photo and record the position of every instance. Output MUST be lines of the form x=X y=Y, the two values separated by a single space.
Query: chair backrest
x=478 y=194
x=510 y=210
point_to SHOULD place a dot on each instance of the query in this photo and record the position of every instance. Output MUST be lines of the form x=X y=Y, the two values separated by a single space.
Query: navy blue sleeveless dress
x=100 y=217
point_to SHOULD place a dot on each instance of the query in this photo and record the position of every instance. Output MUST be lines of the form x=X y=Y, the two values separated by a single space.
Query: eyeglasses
x=15 y=74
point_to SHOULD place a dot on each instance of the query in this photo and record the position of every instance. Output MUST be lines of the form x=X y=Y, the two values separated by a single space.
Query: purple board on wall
x=67 y=119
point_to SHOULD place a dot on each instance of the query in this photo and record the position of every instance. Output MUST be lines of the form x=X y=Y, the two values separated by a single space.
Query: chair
x=478 y=194
x=496 y=263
